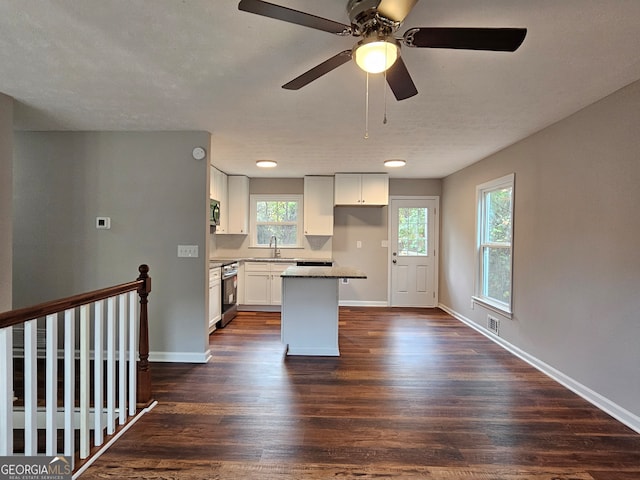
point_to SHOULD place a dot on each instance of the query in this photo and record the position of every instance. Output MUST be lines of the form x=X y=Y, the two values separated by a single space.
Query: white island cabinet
x=309 y=320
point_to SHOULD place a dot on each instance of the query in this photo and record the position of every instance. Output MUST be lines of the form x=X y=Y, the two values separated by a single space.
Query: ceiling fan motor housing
x=367 y=20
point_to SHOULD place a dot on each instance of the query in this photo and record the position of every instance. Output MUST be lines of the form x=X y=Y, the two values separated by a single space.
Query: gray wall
x=576 y=237
x=6 y=200
x=370 y=226
x=156 y=195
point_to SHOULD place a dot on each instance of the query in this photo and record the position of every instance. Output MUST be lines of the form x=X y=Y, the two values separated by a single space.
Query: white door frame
x=436 y=241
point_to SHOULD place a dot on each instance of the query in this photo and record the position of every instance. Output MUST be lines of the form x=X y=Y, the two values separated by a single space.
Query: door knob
x=394 y=261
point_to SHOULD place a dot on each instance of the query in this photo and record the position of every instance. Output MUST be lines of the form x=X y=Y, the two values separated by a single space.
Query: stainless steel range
x=229 y=293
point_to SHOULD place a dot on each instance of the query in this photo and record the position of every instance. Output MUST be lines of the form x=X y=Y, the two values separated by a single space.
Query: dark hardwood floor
x=415 y=394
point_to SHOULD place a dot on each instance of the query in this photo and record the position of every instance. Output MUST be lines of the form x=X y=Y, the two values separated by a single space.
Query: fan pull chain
x=384 y=119
x=366 y=109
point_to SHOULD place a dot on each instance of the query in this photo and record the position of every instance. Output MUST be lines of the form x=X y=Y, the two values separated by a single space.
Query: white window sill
x=493 y=306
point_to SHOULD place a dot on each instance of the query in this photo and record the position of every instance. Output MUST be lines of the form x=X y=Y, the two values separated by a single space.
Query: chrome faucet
x=273 y=242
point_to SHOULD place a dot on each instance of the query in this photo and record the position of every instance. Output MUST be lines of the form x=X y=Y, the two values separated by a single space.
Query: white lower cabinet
x=262 y=282
x=215 y=297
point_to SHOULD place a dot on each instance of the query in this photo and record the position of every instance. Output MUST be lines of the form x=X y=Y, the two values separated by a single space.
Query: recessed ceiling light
x=396 y=162
x=266 y=163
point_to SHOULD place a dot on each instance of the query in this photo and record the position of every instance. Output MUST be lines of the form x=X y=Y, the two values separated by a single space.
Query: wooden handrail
x=21 y=315
x=142 y=285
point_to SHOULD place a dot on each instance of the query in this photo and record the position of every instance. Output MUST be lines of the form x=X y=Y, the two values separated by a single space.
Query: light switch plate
x=189 y=251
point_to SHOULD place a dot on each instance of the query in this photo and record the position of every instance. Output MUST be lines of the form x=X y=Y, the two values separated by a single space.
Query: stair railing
x=116 y=396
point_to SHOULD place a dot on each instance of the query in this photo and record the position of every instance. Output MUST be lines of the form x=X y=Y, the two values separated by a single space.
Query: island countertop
x=323 y=272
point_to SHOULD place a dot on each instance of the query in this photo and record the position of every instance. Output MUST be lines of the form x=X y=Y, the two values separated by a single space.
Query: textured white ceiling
x=205 y=65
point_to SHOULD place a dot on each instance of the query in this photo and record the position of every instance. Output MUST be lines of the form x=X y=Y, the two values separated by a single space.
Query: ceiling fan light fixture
x=395 y=162
x=375 y=54
x=266 y=163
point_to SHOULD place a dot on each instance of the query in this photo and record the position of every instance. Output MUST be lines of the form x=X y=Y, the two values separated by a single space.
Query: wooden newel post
x=144 y=374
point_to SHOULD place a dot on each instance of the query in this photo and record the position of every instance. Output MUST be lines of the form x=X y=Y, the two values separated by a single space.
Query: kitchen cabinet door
x=220 y=193
x=257 y=283
x=361 y=189
x=238 y=204
x=375 y=189
x=257 y=288
x=215 y=295
x=318 y=205
x=348 y=188
x=262 y=282
x=276 y=282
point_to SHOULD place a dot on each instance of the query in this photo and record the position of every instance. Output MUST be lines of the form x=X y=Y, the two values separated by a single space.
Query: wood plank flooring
x=415 y=394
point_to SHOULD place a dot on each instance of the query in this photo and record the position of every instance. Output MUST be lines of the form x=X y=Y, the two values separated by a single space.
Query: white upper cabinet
x=238 y=204
x=318 y=205
x=361 y=189
x=232 y=191
x=218 y=191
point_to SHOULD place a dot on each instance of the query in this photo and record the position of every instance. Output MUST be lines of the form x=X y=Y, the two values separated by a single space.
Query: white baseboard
x=362 y=303
x=180 y=357
x=611 y=408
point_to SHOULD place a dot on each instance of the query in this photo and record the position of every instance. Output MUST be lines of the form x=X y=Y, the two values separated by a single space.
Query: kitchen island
x=309 y=323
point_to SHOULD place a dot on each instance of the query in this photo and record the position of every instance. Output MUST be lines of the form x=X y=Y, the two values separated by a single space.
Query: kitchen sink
x=313 y=263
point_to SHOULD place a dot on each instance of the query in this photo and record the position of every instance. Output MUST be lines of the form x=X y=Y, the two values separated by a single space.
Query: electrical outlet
x=358 y=244
x=190 y=251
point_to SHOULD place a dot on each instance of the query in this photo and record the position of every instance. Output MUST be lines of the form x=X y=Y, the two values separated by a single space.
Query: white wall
x=156 y=195
x=6 y=200
x=576 y=247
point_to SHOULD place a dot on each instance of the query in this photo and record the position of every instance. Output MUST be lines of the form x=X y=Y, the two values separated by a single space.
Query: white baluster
x=111 y=365
x=52 y=385
x=98 y=357
x=122 y=359
x=31 y=387
x=6 y=391
x=85 y=377
x=133 y=357
x=69 y=379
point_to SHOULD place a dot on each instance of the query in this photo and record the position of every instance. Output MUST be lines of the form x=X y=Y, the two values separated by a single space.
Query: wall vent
x=493 y=324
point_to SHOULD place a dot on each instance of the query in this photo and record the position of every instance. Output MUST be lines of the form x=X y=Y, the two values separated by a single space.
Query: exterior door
x=414 y=252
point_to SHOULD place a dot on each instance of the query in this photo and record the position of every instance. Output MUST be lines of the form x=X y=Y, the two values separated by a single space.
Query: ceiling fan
x=377 y=22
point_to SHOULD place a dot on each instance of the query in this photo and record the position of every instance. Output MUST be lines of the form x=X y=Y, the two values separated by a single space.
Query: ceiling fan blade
x=495 y=39
x=318 y=71
x=293 y=16
x=396 y=10
x=400 y=81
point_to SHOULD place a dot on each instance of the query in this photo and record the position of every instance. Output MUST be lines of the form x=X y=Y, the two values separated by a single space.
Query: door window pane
x=412 y=231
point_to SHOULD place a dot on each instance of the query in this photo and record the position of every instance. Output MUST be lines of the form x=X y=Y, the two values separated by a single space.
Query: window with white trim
x=495 y=243
x=279 y=216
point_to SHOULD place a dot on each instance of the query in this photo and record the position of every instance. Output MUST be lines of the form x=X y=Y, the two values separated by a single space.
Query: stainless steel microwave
x=214 y=213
